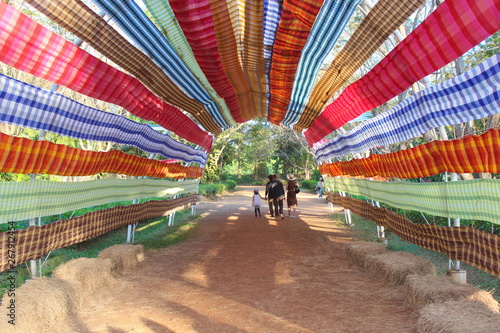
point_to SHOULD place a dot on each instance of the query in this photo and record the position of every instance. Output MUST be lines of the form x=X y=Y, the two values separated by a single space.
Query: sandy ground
x=247 y=274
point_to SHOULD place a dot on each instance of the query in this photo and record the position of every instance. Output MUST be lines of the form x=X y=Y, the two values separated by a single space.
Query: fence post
x=381 y=229
x=34 y=263
x=458 y=274
x=347 y=211
x=131 y=228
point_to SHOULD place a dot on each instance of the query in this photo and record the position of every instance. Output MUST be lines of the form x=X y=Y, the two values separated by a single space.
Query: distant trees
x=258 y=148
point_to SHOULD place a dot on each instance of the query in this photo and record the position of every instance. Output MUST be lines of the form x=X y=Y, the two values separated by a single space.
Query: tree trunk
x=493 y=121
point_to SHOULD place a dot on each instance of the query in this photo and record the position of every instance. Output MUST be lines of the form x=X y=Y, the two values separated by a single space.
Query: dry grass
x=41 y=305
x=423 y=290
x=458 y=316
x=124 y=256
x=358 y=251
x=394 y=267
x=86 y=275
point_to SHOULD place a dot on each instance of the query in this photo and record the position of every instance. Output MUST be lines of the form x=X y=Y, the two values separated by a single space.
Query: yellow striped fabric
x=228 y=50
x=247 y=21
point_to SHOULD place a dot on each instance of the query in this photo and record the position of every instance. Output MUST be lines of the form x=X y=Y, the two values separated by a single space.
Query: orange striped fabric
x=297 y=18
x=251 y=16
x=19 y=155
x=35 y=242
x=385 y=17
x=467 y=244
x=474 y=153
x=230 y=58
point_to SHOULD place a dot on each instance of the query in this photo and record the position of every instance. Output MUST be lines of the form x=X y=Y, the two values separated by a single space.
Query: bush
x=244 y=179
x=310 y=184
x=259 y=182
x=230 y=184
x=217 y=188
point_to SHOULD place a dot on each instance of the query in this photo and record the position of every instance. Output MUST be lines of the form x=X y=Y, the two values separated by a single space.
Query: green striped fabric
x=469 y=199
x=166 y=22
x=25 y=200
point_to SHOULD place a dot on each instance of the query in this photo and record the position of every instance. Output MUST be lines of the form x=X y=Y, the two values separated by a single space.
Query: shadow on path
x=247 y=274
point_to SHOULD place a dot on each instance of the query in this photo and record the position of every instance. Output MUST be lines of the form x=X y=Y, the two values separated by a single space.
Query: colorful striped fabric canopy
x=197 y=67
x=203 y=66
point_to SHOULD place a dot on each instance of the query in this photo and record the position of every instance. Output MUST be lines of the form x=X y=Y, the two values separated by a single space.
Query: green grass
x=366 y=230
x=152 y=234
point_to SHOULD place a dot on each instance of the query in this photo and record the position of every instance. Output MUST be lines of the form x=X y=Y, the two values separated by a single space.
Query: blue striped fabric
x=272 y=14
x=472 y=95
x=329 y=24
x=129 y=16
x=29 y=106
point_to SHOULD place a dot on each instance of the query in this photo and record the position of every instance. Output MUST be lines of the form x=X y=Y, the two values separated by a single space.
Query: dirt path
x=247 y=274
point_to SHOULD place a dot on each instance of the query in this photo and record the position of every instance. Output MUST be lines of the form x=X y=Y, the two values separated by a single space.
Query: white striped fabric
x=468 y=199
x=25 y=200
x=329 y=24
x=129 y=16
x=472 y=95
x=29 y=106
x=272 y=13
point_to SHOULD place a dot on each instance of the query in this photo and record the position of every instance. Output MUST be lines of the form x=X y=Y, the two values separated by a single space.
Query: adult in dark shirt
x=277 y=193
x=267 y=197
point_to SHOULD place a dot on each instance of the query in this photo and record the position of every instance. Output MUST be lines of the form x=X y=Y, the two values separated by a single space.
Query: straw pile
x=358 y=251
x=423 y=290
x=123 y=256
x=40 y=305
x=396 y=266
x=458 y=316
x=86 y=275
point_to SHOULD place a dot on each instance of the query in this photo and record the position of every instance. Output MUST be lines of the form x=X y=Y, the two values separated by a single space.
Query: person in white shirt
x=256 y=201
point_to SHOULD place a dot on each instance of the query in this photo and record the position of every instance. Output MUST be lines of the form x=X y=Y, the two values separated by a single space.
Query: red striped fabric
x=28 y=46
x=19 y=155
x=195 y=19
x=297 y=18
x=466 y=155
x=452 y=29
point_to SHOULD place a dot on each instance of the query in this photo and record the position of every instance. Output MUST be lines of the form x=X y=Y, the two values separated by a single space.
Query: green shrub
x=310 y=184
x=230 y=184
x=216 y=188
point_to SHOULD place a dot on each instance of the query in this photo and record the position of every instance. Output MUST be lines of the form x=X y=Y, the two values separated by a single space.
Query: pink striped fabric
x=452 y=29
x=195 y=19
x=28 y=46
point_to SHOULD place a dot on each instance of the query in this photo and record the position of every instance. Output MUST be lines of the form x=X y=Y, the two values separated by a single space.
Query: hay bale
x=458 y=316
x=123 y=256
x=423 y=290
x=396 y=266
x=85 y=274
x=358 y=251
x=40 y=305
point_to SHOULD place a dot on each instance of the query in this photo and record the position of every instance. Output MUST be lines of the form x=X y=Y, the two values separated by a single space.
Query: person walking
x=291 y=195
x=256 y=202
x=319 y=188
x=277 y=193
x=267 y=197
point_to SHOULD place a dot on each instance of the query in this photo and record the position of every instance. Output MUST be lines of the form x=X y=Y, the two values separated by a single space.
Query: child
x=256 y=201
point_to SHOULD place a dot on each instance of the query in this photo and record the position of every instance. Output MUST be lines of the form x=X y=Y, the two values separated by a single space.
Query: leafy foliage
x=251 y=151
